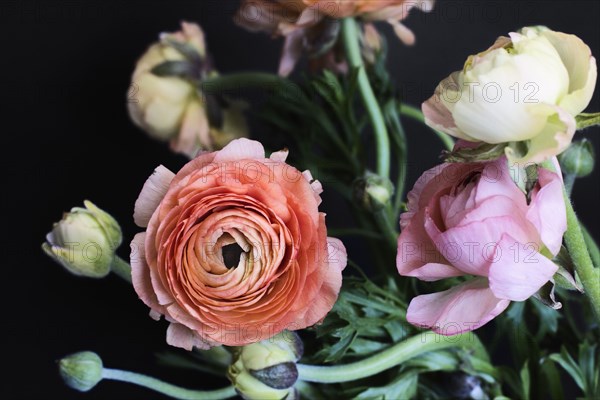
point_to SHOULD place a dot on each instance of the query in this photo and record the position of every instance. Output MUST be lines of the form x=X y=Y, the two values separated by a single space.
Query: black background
x=66 y=67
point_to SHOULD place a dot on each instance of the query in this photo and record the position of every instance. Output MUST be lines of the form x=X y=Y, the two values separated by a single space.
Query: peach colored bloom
x=289 y=272
x=471 y=219
x=311 y=26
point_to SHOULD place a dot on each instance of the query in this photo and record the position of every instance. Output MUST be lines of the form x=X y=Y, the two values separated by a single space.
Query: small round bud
x=84 y=241
x=578 y=159
x=373 y=191
x=267 y=369
x=81 y=371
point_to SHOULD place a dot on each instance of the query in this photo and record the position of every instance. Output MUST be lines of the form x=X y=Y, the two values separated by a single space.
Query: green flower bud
x=373 y=191
x=578 y=159
x=84 y=241
x=267 y=370
x=81 y=371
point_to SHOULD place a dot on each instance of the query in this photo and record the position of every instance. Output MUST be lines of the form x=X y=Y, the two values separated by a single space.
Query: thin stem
x=391 y=357
x=417 y=115
x=350 y=36
x=383 y=221
x=592 y=246
x=569 y=183
x=121 y=268
x=399 y=139
x=578 y=250
x=173 y=391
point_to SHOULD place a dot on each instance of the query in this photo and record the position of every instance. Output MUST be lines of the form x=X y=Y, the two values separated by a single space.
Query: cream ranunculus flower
x=525 y=91
x=165 y=100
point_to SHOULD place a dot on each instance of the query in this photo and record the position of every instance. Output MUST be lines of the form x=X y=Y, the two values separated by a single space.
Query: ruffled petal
x=152 y=193
x=581 y=67
x=181 y=336
x=519 y=270
x=463 y=308
x=240 y=149
x=548 y=211
x=551 y=141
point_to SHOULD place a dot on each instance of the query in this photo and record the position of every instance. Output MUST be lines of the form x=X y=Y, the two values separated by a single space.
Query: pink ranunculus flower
x=471 y=219
x=286 y=273
x=311 y=26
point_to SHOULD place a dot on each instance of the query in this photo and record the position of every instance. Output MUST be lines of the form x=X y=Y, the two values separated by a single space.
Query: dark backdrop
x=65 y=71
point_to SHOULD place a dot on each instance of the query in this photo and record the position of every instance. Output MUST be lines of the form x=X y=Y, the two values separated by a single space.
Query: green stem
x=173 y=391
x=399 y=138
x=385 y=224
x=592 y=246
x=578 y=250
x=417 y=115
x=569 y=183
x=350 y=37
x=121 y=268
x=389 y=358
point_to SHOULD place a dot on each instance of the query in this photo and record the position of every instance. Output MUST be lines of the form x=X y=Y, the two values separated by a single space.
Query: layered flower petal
x=463 y=308
x=518 y=270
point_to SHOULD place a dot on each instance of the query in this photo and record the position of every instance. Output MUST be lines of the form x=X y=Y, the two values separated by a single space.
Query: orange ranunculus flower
x=235 y=248
x=311 y=26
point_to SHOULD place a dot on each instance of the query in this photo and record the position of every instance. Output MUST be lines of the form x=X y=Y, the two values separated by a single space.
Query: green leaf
x=403 y=387
x=483 y=152
x=552 y=378
x=565 y=360
x=585 y=120
x=525 y=381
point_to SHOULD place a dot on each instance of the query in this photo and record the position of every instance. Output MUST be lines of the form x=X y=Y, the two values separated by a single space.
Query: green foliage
x=585 y=371
x=365 y=319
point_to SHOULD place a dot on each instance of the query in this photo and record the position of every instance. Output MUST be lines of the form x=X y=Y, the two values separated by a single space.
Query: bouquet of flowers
x=235 y=254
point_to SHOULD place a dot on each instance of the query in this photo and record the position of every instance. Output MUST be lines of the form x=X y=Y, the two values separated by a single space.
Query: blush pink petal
x=140 y=275
x=180 y=336
x=152 y=193
x=416 y=250
x=436 y=113
x=496 y=180
x=463 y=308
x=547 y=211
x=280 y=156
x=240 y=149
x=519 y=270
x=470 y=247
x=292 y=52
x=434 y=272
x=414 y=196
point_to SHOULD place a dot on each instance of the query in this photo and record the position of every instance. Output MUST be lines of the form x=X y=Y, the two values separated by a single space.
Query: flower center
x=231 y=255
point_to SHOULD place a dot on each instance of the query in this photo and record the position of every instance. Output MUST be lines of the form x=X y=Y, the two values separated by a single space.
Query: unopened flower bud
x=578 y=159
x=373 y=191
x=84 y=241
x=81 y=371
x=267 y=370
